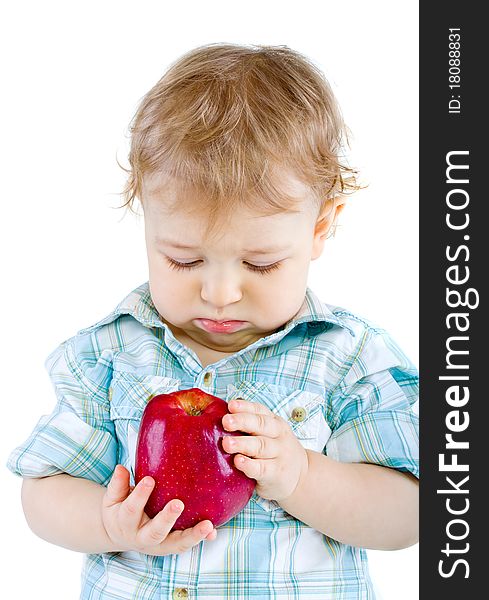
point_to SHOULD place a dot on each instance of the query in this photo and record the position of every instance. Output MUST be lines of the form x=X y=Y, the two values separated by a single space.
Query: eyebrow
x=180 y=246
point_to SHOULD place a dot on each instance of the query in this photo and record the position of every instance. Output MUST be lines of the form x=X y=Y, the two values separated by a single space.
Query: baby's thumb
x=118 y=489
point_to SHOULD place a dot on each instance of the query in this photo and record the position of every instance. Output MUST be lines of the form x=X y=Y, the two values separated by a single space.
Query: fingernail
x=147 y=482
x=177 y=507
x=231 y=442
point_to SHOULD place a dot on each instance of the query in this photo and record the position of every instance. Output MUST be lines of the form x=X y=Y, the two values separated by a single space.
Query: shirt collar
x=139 y=305
x=318 y=314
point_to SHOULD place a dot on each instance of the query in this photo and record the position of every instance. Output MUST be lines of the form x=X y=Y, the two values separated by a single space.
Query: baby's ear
x=326 y=222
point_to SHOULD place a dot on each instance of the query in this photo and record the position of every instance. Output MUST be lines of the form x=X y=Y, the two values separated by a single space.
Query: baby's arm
x=83 y=516
x=362 y=505
x=358 y=504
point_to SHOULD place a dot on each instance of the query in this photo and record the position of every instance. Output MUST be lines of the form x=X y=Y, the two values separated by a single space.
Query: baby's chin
x=226 y=342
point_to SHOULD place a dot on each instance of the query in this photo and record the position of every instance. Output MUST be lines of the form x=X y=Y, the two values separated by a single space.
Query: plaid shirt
x=356 y=387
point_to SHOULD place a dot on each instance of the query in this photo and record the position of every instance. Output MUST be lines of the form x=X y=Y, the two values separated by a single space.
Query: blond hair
x=225 y=116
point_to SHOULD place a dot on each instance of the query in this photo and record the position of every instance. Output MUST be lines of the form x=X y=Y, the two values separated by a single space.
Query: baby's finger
x=190 y=537
x=242 y=405
x=251 y=467
x=156 y=530
x=118 y=488
x=212 y=535
x=254 y=446
x=254 y=423
x=132 y=509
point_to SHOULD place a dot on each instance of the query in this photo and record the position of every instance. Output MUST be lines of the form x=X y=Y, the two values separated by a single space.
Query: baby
x=236 y=160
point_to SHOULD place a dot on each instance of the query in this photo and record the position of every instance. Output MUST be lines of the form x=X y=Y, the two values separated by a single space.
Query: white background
x=72 y=76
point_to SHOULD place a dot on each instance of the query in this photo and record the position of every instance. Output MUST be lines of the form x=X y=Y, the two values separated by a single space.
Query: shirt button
x=298 y=414
x=207 y=378
x=110 y=394
x=180 y=594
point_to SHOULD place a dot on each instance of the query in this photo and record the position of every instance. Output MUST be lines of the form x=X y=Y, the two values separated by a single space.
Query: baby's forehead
x=196 y=216
x=197 y=212
x=169 y=189
x=244 y=229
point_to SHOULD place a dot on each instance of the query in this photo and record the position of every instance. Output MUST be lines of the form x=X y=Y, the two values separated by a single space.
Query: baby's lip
x=224 y=320
x=221 y=326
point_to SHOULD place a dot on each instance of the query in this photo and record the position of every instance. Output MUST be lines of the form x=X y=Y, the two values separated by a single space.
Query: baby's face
x=239 y=285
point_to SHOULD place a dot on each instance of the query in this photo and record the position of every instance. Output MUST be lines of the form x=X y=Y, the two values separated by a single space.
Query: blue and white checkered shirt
x=356 y=387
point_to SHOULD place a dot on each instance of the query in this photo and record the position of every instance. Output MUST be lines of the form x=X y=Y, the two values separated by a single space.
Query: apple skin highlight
x=180 y=446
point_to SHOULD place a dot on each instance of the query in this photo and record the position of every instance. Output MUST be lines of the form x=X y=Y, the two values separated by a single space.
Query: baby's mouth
x=212 y=326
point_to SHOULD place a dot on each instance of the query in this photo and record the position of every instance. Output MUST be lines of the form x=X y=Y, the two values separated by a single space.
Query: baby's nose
x=221 y=290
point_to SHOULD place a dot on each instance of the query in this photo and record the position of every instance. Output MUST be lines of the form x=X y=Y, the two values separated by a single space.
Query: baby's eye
x=181 y=266
x=263 y=269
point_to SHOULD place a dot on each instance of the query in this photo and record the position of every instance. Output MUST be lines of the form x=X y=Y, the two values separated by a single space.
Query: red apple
x=180 y=446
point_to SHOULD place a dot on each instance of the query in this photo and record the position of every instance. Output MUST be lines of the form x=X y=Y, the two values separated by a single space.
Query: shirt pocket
x=129 y=394
x=302 y=410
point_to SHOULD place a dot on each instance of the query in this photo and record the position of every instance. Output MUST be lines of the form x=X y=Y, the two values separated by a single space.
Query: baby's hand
x=272 y=454
x=129 y=527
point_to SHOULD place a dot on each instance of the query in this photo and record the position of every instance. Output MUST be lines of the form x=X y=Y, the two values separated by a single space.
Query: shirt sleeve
x=78 y=437
x=374 y=408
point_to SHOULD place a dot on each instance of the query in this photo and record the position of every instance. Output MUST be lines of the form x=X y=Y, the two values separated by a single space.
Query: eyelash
x=263 y=270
